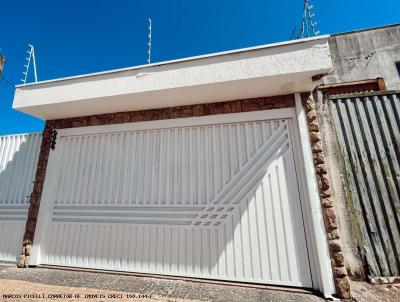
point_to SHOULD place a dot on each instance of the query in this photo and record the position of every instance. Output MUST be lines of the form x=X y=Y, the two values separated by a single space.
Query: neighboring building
x=365 y=55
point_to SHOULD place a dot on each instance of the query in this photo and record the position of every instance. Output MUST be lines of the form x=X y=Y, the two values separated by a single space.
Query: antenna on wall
x=31 y=57
x=308 y=26
x=149 y=44
x=310 y=16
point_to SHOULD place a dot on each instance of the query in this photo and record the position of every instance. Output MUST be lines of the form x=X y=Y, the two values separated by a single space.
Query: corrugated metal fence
x=367 y=127
x=18 y=159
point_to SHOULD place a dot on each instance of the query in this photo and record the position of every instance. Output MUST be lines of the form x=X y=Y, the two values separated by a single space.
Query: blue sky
x=76 y=37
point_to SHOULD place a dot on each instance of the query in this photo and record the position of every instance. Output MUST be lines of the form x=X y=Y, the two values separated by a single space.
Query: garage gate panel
x=214 y=201
x=18 y=159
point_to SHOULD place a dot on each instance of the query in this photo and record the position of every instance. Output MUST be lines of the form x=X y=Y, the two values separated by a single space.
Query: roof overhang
x=275 y=69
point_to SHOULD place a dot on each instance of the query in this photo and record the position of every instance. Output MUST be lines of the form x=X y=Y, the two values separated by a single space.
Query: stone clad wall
x=328 y=210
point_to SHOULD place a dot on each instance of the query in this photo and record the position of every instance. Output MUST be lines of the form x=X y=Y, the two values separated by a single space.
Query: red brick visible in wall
x=255 y=104
x=328 y=211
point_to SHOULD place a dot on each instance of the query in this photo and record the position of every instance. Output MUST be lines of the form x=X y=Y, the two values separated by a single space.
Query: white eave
x=268 y=70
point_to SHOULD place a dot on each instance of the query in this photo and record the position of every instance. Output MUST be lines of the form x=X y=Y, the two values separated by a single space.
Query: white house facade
x=201 y=168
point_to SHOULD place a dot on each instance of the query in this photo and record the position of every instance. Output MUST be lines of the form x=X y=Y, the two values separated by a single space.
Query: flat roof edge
x=272 y=45
x=365 y=29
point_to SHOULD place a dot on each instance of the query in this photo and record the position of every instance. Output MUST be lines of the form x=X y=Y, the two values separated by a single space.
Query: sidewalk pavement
x=44 y=284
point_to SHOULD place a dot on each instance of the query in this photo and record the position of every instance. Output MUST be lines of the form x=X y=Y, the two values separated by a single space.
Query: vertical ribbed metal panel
x=18 y=159
x=217 y=201
x=367 y=128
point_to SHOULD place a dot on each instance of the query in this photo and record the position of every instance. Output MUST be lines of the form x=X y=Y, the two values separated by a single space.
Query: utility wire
x=8 y=81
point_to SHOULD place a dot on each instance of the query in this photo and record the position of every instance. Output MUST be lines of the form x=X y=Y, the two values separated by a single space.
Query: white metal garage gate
x=212 y=197
x=18 y=158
